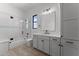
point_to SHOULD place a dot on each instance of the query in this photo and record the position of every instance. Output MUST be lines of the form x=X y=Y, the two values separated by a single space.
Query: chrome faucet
x=46 y=32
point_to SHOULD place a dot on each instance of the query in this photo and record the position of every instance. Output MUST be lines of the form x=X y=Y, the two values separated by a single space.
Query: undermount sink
x=46 y=32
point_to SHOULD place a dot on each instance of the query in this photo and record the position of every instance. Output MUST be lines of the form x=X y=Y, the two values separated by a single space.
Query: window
x=26 y=23
x=35 y=22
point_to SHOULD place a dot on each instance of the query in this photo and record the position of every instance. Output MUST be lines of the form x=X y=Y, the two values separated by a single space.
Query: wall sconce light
x=48 y=11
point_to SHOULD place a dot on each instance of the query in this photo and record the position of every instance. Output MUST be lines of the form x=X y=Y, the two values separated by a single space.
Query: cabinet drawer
x=55 y=39
x=43 y=37
x=68 y=42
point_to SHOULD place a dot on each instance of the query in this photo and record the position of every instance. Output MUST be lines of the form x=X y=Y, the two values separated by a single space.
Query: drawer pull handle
x=42 y=40
x=69 y=42
x=60 y=45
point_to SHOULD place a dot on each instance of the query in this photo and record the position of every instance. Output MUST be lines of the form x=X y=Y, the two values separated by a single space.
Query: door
x=54 y=46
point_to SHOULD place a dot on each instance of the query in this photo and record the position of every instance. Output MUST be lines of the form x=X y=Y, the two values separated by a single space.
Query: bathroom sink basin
x=46 y=32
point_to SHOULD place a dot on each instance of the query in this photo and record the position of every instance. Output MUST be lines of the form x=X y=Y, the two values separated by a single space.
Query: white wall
x=38 y=10
x=10 y=27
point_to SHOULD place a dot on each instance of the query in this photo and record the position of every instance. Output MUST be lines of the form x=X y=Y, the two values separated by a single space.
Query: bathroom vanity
x=47 y=44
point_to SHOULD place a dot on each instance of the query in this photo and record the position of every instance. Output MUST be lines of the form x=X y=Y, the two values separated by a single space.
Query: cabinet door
x=35 y=41
x=70 y=20
x=41 y=44
x=70 y=29
x=70 y=10
x=46 y=46
x=54 y=47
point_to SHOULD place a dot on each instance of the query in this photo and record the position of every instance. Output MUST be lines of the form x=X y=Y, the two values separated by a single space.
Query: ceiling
x=23 y=6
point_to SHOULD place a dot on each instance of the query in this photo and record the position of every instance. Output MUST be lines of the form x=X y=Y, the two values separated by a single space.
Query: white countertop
x=51 y=35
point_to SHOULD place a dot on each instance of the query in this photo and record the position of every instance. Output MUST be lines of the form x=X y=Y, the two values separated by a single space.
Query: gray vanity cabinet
x=54 y=46
x=49 y=45
x=43 y=44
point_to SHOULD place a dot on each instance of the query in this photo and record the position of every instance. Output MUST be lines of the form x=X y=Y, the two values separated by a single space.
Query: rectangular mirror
x=48 y=21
